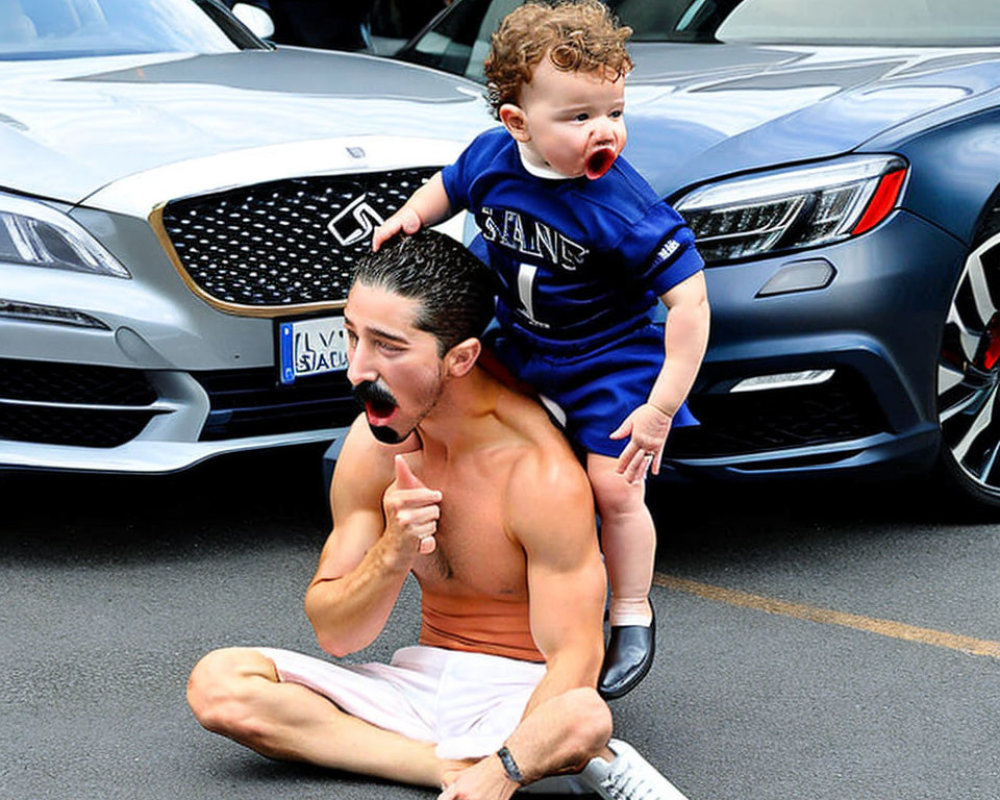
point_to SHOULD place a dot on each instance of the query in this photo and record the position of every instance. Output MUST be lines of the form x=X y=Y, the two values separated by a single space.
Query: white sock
x=630 y=611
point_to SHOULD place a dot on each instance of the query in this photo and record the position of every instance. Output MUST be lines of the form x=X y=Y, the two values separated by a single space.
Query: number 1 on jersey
x=525 y=289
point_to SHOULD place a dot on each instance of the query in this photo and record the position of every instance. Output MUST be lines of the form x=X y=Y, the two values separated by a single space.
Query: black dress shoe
x=627 y=659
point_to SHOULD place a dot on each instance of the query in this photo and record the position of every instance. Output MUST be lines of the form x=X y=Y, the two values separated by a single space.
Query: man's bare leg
x=236 y=693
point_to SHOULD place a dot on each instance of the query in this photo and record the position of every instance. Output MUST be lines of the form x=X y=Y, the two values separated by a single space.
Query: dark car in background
x=374 y=26
x=840 y=166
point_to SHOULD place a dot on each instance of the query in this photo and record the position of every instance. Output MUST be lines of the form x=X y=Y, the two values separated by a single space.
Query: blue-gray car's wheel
x=968 y=379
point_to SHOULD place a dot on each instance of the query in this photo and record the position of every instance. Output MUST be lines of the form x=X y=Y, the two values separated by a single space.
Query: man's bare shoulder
x=547 y=491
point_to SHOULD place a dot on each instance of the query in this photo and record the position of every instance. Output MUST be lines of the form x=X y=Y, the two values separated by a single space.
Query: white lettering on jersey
x=526 y=235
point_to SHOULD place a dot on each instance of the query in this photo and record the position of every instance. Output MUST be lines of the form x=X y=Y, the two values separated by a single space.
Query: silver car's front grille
x=79 y=405
x=284 y=244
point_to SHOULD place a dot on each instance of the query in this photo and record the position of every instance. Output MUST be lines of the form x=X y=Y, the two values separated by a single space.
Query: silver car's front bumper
x=200 y=376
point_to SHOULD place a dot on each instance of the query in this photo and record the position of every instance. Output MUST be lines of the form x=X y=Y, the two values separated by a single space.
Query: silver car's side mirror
x=256 y=19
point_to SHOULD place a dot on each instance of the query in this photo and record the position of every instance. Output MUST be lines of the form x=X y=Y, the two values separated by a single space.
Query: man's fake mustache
x=376 y=395
x=379 y=399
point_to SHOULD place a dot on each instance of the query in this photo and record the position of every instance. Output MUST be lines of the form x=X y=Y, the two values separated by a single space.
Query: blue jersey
x=580 y=263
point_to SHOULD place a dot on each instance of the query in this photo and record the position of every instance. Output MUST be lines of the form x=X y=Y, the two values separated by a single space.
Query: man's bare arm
x=377 y=528
x=551 y=514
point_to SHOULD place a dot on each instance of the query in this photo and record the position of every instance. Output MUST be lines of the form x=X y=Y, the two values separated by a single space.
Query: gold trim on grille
x=237 y=309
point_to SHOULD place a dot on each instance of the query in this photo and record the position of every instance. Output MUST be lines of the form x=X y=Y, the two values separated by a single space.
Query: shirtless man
x=453 y=476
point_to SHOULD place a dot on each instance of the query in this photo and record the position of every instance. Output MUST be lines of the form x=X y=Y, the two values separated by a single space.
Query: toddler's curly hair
x=575 y=35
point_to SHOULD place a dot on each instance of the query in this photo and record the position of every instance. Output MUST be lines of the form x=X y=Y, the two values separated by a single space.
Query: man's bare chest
x=474 y=552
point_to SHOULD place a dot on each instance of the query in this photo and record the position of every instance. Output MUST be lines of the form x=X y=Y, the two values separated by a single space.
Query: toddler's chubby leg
x=628 y=540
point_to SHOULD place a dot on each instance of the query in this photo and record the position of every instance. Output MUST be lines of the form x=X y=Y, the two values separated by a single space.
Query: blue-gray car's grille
x=284 y=243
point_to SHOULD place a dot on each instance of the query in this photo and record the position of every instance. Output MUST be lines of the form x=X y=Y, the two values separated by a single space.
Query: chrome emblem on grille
x=356 y=222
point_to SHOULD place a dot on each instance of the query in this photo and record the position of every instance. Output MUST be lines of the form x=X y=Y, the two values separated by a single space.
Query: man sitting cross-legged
x=463 y=481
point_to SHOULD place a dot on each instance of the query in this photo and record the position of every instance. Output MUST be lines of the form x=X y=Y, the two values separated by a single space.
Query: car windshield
x=459 y=40
x=845 y=22
x=33 y=29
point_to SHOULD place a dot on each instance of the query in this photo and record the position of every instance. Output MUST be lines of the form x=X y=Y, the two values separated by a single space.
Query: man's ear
x=514 y=121
x=462 y=357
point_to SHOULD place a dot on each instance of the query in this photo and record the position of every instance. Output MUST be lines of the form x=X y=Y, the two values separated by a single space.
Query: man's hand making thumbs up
x=411 y=511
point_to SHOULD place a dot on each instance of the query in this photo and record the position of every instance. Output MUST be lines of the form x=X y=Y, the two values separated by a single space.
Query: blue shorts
x=595 y=390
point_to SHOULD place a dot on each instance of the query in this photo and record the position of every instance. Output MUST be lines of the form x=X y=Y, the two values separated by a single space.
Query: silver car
x=180 y=206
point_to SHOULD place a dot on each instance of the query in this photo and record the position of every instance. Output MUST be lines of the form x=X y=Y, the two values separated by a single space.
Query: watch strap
x=510 y=765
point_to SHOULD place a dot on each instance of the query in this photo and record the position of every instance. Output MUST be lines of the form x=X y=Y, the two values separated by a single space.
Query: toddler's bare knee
x=615 y=496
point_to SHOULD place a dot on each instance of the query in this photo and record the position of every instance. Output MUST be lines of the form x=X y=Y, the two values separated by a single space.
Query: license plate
x=311 y=347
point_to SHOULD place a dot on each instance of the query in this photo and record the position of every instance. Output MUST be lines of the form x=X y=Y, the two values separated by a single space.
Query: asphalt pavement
x=816 y=641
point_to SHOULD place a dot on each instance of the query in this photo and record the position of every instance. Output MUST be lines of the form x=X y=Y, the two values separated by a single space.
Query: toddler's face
x=573 y=122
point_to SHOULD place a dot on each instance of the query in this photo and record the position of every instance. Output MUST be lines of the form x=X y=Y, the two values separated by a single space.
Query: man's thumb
x=405 y=479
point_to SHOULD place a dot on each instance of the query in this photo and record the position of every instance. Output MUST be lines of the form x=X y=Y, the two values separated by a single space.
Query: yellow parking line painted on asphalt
x=883 y=627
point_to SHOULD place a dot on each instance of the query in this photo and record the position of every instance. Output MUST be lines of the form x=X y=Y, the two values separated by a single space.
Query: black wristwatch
x=510 y=765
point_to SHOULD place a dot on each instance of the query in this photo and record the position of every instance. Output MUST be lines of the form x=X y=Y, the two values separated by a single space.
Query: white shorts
x=466 y=703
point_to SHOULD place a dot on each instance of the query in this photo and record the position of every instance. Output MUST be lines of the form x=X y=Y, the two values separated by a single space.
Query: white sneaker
x=628 y=777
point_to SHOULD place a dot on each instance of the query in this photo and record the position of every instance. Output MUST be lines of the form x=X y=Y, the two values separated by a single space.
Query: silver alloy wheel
x=968 y=378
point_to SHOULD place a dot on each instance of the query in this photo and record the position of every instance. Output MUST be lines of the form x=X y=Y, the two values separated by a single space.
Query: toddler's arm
x=685 y=342
x=428 y=206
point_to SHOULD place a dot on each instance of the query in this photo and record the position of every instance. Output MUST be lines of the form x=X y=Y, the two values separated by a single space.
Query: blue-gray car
x=840 y=166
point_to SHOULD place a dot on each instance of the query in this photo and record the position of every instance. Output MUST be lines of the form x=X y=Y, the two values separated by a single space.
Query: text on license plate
x=311 y=347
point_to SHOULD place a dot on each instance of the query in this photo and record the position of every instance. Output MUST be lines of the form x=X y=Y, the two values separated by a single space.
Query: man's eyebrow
x=384 y=334
x=380 y=332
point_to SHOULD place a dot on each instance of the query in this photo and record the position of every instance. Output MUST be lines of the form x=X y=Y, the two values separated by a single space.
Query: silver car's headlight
x=36 y=235
x=792 y=208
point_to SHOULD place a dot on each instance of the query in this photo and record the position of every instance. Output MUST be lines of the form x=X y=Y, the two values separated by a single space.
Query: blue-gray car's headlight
x=34 y=234
x=792 y=208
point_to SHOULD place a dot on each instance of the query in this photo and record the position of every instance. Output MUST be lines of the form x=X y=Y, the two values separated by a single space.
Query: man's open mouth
x=379 y=411
x=379 y=403
x=599 y=162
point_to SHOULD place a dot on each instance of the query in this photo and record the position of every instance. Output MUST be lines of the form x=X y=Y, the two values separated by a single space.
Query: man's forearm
x=560 y=734
x=579 y=670
x=348 y=612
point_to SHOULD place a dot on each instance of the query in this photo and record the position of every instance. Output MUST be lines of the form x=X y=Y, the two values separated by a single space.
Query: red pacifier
x=599 y=162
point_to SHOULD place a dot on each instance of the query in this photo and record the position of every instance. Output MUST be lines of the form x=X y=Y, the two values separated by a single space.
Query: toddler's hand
x=406 y=220
x=648 y=426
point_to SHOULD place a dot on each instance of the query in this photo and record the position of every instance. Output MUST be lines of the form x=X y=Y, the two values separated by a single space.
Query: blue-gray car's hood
x=70 y=127
x=700 y=111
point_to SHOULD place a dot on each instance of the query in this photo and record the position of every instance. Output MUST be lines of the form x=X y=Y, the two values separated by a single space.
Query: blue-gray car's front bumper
x=844 y=377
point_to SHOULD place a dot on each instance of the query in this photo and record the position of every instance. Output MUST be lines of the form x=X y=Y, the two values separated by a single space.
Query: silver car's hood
x=70 y=127
x=700 y=111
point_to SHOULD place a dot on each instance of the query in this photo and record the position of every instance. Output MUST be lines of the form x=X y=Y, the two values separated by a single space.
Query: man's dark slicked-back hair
x=454 y=288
